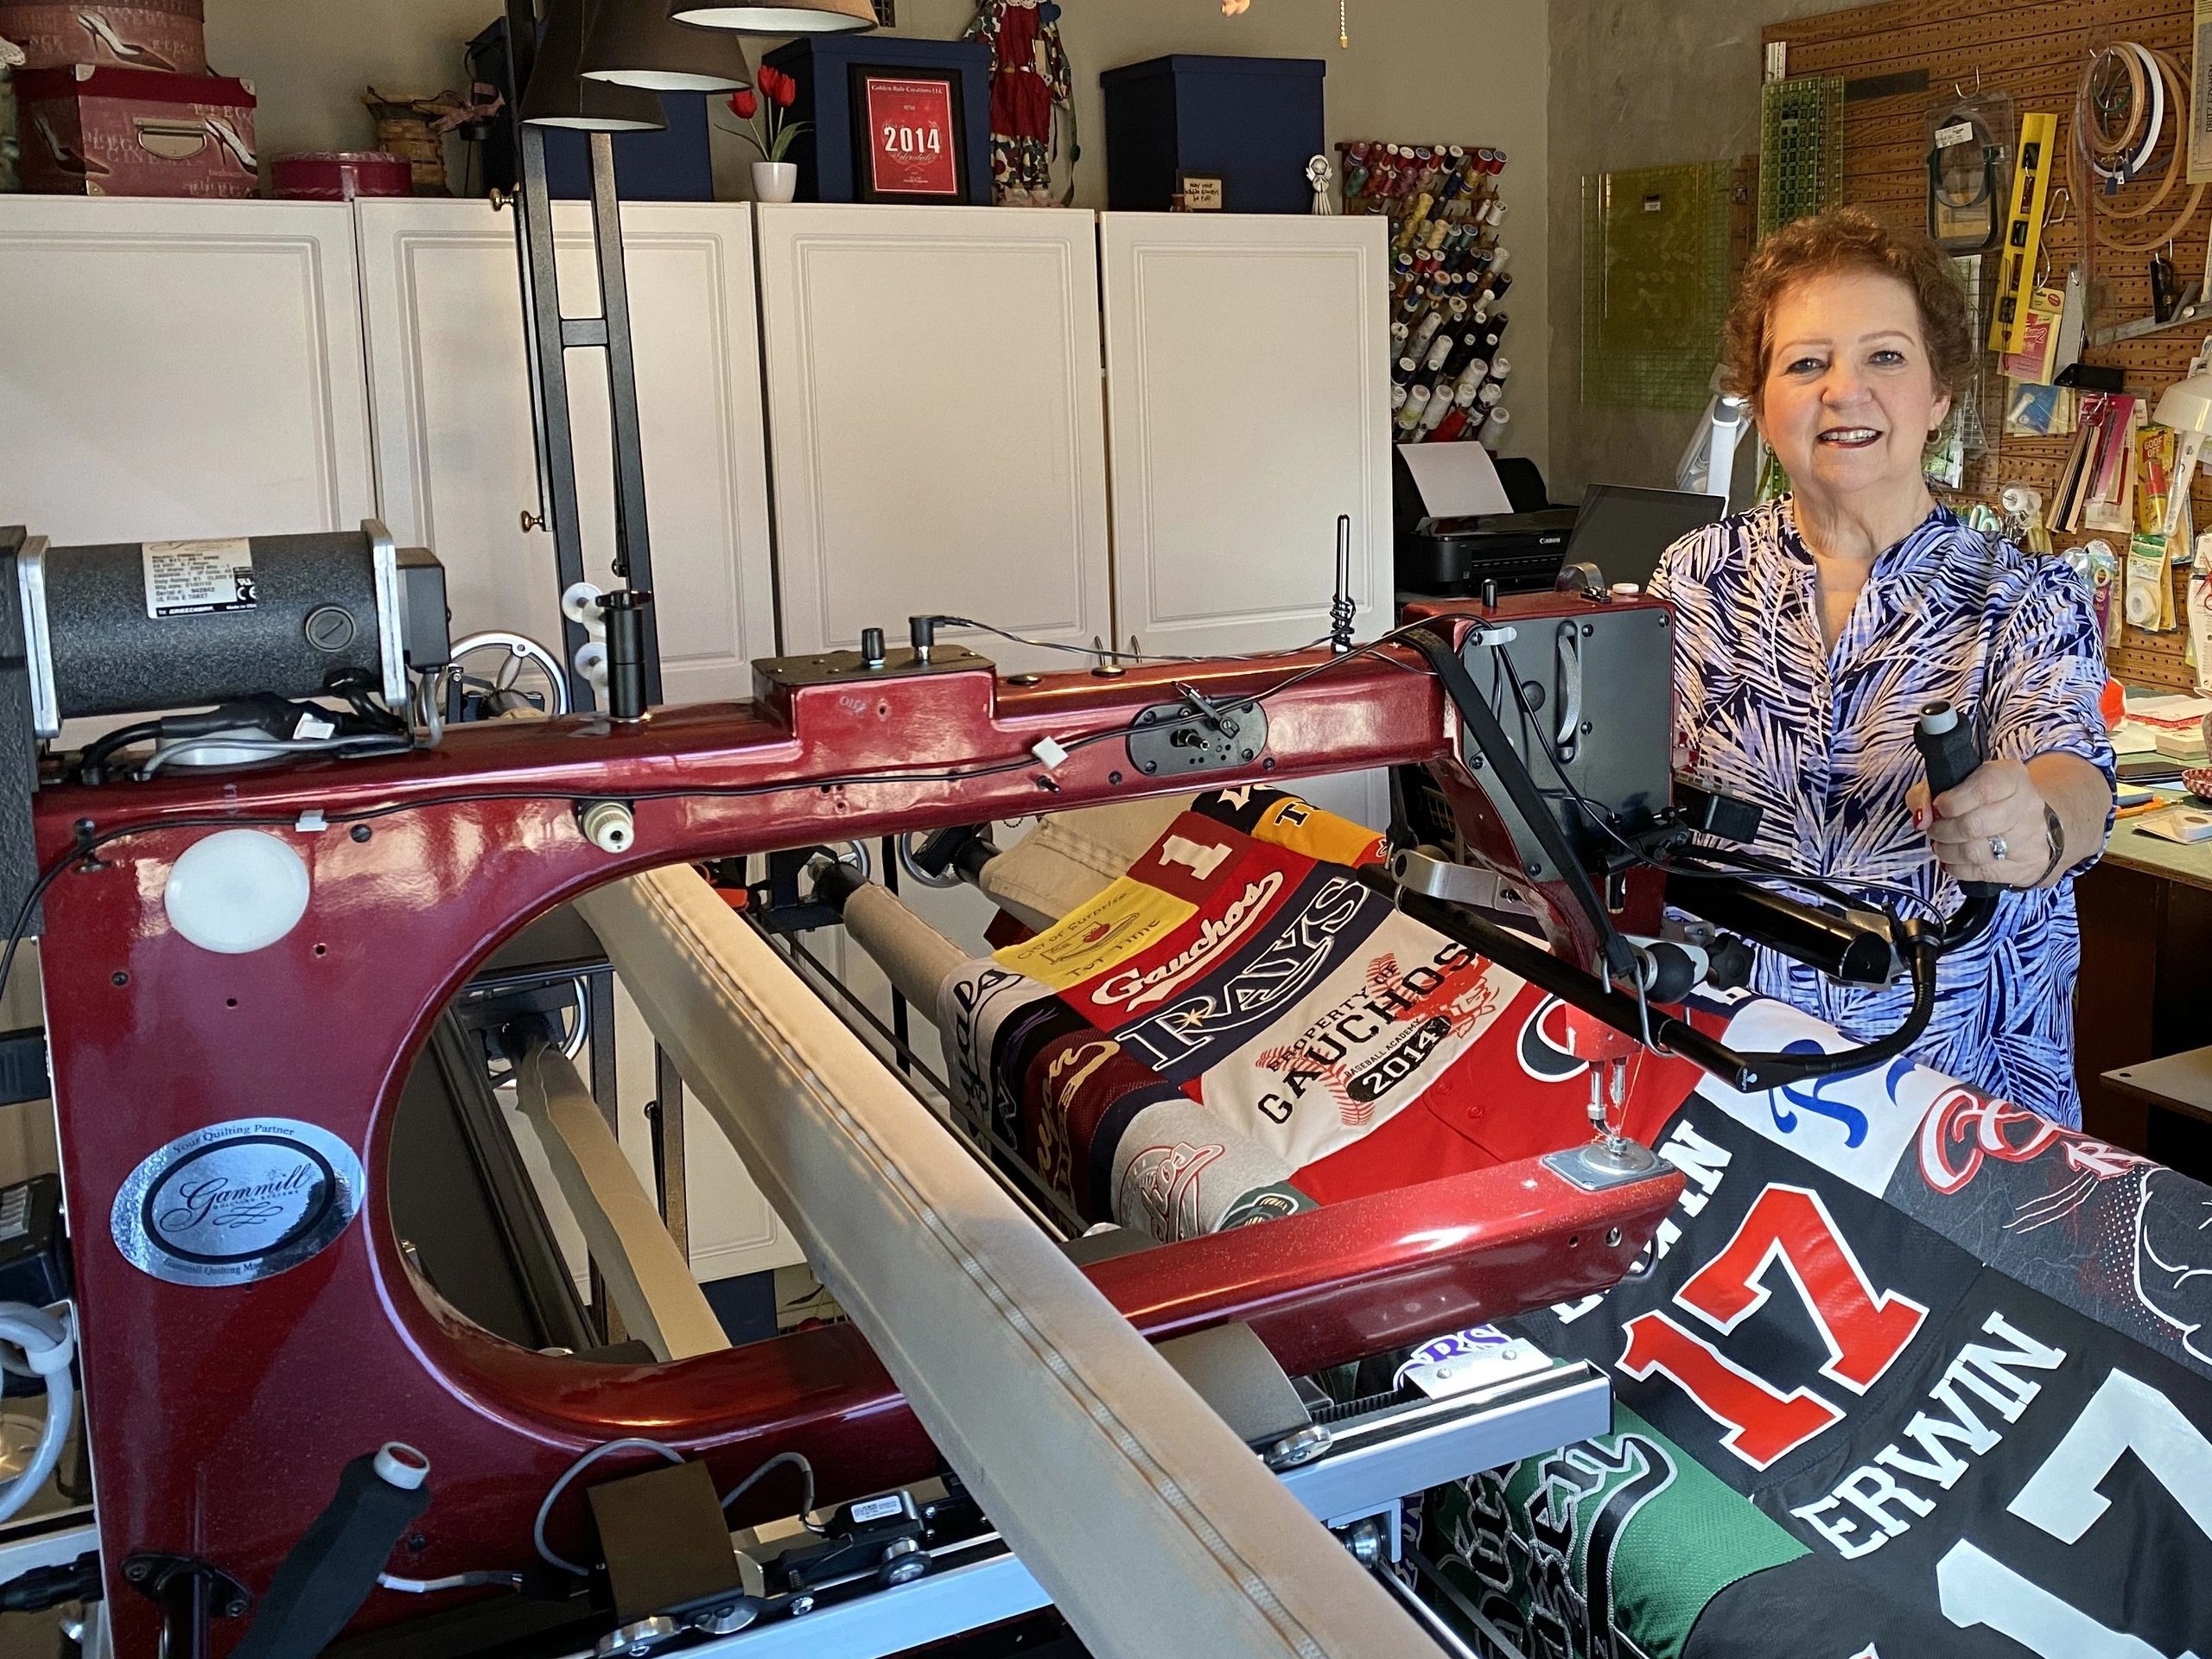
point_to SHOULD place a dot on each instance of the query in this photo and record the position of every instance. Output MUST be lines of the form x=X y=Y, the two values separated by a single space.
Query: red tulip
x=744 y=104
x=779 y=86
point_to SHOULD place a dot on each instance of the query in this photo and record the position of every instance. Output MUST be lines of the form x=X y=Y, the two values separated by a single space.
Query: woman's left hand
x=1997 y=804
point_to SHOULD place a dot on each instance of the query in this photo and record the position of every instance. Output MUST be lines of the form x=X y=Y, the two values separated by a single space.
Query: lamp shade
x=558 y=97
x=2186 y=405
x=637 y=43
x=775 y=16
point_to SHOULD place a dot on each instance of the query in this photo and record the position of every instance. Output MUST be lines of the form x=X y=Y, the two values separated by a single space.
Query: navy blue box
x=1252 y=123
x=823 y=65
x=675 y=165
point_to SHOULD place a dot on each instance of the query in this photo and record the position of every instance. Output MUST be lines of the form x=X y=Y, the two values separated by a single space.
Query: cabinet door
x=173 y=369
x=934 y=411
x=1247 y=406
x=450 y=395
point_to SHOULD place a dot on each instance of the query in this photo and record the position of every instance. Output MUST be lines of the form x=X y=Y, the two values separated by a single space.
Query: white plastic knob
x=609 y=826
x=236 y=890
x=579 y=604
x=400 y=1465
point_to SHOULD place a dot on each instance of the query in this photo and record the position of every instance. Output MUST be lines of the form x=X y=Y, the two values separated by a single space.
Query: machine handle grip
x=1947 y=748
x=330 y=1572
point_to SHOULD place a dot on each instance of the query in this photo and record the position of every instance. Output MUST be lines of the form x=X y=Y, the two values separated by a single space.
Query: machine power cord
x=47 y=1348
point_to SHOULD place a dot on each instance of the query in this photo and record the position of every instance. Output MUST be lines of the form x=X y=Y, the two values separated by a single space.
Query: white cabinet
x=935 y=419
x=455 y=455
x=1248 y=391
x=457 y=465
x=176 y=369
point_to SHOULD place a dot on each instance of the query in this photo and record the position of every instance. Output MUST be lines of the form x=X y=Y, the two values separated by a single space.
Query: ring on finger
x=1998 y=850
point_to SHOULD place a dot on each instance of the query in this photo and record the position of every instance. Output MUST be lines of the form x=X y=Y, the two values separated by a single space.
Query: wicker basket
x=408 y=127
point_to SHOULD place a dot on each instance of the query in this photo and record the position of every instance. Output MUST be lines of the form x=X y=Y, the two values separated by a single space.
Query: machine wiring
x=1747 y=866
x=781 y=1460
x=553 y=1494
x=90 y=842
x=1105 y=652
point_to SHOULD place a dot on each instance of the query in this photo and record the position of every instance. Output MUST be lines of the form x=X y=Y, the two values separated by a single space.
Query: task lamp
x=775 y=16
x=557 y=96
x=637 y=43
x=2186 y=406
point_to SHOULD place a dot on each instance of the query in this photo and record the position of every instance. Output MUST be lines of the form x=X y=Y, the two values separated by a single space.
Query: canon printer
x=1456 y=553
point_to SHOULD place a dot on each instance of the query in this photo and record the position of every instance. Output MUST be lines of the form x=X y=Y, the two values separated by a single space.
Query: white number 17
x=2062 y=1498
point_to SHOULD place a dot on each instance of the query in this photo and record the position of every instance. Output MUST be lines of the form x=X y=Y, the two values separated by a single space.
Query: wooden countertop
x=2155 y=855
x=2181 y=1082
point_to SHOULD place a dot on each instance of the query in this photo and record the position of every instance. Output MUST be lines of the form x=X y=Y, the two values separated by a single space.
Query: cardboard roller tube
x=913 y=955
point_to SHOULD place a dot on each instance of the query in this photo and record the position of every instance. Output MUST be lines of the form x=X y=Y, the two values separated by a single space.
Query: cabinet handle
x=531 y=520
x=498 y=199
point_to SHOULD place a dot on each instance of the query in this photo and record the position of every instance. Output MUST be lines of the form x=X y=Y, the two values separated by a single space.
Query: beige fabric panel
x=1074 y=856
x=650 y=1283
x=1152 y=1528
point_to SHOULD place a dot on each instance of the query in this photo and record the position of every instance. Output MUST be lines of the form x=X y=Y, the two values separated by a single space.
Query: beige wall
x=1447 y=71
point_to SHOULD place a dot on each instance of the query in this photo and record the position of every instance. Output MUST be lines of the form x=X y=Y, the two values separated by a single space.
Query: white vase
x=775 y=180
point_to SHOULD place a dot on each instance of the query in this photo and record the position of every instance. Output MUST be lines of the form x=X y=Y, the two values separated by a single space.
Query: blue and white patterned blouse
x=1823 y=741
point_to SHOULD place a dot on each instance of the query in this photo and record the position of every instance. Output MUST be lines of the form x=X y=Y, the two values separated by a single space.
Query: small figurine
x=1320 y=175
x=1032 y=90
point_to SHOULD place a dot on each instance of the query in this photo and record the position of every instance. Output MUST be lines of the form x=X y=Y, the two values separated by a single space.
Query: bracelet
x=2054 y=830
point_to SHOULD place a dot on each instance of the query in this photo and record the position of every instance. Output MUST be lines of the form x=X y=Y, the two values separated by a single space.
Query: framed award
x=907 y=135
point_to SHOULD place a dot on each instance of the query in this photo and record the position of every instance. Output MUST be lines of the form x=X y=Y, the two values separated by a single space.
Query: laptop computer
x=1622 y=531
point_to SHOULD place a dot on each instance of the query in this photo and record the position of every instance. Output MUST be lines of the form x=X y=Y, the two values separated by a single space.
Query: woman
x=1815 y=627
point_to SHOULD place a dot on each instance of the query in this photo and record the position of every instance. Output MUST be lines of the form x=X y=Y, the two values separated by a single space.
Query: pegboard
x=1898 y=58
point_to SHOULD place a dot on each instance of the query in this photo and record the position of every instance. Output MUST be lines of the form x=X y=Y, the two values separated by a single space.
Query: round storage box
x=341 y=175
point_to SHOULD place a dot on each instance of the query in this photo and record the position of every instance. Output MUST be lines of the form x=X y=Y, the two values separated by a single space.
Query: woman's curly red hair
x=1849 y=238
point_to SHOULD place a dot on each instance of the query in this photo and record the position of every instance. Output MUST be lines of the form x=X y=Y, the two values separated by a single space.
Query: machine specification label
x=197 y=578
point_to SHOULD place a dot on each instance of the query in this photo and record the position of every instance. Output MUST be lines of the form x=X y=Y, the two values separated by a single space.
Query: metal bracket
x=1171 y=739
x=1603 y=1165
x=189 y=1591
x=1423 y=870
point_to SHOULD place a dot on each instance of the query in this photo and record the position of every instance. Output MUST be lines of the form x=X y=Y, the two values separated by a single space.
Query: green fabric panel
x=1628 y=1520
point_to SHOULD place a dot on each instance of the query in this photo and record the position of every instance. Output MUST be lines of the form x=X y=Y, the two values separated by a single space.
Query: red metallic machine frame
x=219 y=1417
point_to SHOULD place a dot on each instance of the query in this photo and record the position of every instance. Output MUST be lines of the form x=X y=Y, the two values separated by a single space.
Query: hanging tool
x=2023 y=231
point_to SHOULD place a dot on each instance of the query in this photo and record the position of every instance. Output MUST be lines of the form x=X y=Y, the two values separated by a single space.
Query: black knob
x=625 y=611
x=872 y=647
x=1949 y=749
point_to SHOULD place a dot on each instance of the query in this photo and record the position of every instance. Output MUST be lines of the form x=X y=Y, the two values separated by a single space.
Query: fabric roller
x=1030 y=1383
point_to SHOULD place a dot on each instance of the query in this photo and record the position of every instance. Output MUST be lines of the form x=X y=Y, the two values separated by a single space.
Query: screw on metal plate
x=183 y=1586
x=641 y=1637
x=1604 y=1164
x=1302 y=1446
x=1197 y=735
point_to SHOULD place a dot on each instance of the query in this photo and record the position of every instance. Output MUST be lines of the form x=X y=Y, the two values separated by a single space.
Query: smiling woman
x=1815 y=629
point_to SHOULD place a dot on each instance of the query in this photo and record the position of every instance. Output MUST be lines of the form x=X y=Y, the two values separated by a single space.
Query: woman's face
x=1849 y=398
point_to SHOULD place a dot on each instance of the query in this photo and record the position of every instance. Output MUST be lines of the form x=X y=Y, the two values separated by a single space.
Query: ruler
x=2008 y=323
